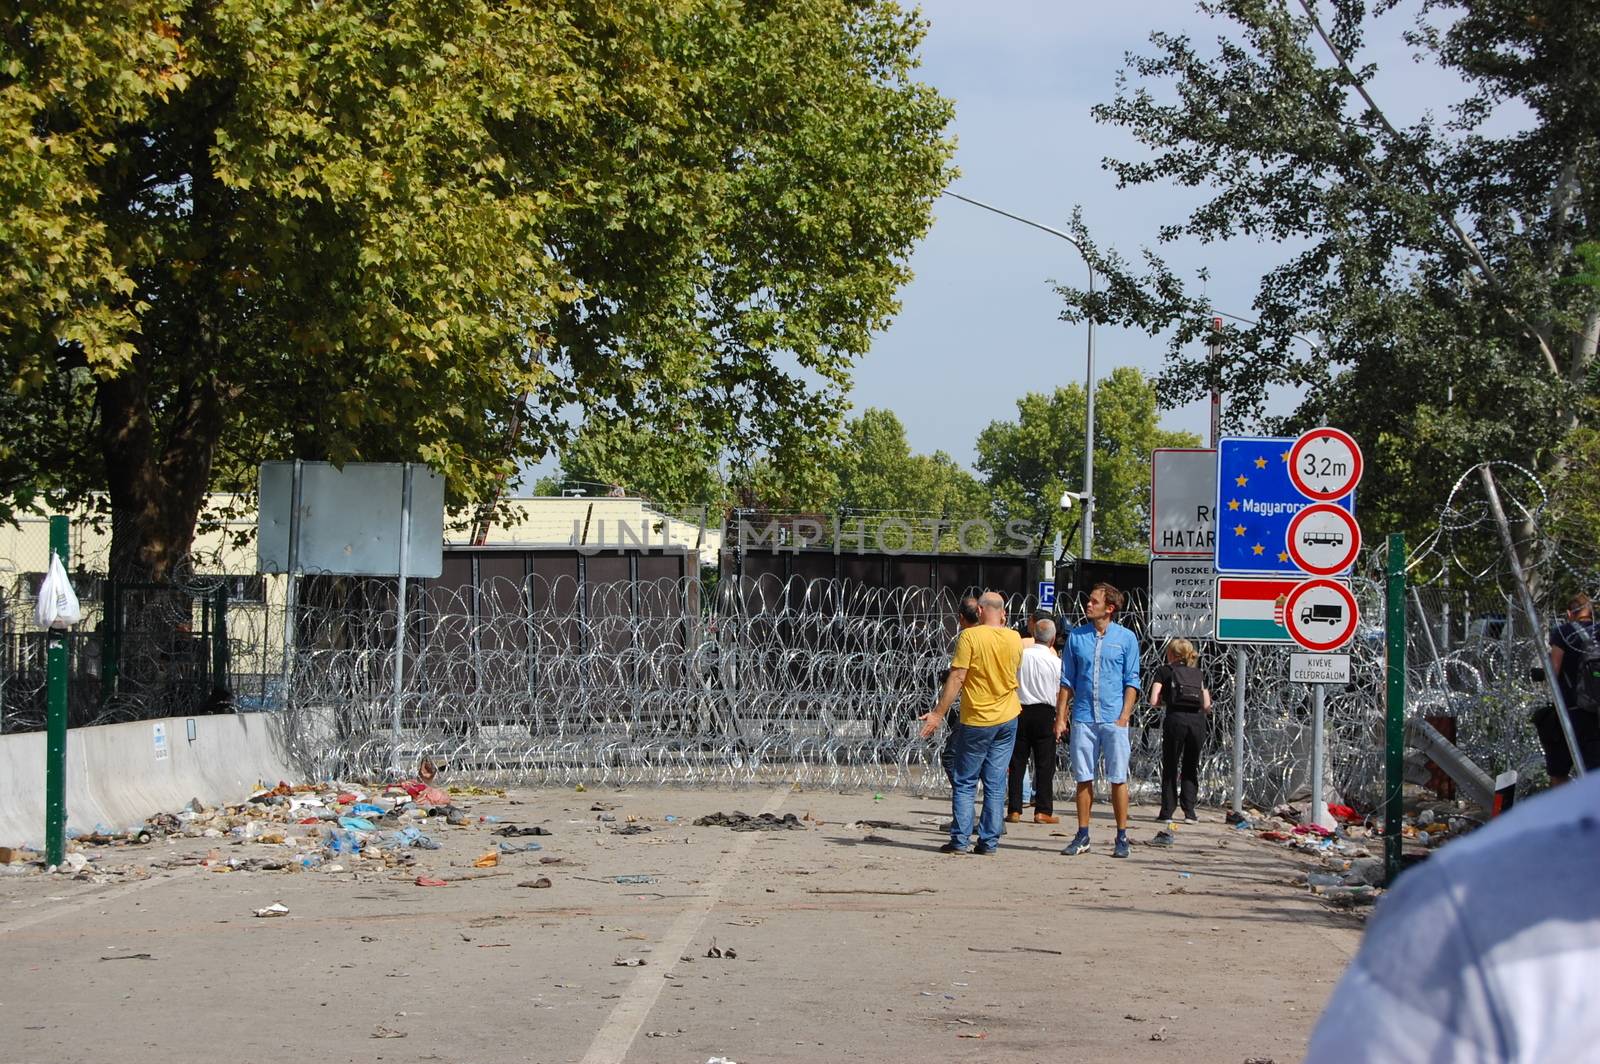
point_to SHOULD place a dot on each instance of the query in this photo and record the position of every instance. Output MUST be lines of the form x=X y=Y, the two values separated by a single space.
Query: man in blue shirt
x=1099 y=686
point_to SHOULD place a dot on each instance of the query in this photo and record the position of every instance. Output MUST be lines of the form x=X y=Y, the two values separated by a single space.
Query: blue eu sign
x=1047 y=594
x=1255 y=503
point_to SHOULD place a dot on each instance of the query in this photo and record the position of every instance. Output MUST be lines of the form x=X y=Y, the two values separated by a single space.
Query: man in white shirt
x=1485 y=952
x=1037 y=680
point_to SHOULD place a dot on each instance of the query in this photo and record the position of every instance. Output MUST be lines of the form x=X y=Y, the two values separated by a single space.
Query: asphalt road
x=850 y=944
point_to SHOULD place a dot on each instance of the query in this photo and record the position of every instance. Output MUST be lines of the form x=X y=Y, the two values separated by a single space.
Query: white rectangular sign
x=1183 y=502
x=1181 y=603
x=1319 y=668
x=158 y=739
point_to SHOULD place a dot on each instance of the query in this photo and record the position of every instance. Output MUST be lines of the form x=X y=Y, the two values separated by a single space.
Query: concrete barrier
x=119 y=774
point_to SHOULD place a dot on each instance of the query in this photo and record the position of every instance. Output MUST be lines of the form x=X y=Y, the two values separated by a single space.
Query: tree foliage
x=1421 y=304
x=877 y=473
x=248 y=229
x=1028 y=463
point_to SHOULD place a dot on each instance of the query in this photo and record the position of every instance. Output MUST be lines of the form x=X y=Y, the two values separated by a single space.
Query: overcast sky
x=980 y=323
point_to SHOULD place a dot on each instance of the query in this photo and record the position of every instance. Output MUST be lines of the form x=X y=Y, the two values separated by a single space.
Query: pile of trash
x=1432 y=827
x=330 y=827
x=1348 y=873
x=738 y=821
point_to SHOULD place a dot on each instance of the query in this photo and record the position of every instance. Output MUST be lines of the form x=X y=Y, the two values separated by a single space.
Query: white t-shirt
x=1487 y=951
x=1039 y=676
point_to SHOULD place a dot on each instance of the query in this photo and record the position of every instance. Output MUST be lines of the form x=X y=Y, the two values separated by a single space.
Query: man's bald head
x=994 y=608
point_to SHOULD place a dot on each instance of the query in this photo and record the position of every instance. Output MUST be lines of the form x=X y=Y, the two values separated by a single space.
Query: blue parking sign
x=1256 y=500
x=1047 y=594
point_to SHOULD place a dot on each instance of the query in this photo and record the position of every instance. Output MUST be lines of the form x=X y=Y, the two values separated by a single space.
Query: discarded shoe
x=1163 y=838
x=1046 y=818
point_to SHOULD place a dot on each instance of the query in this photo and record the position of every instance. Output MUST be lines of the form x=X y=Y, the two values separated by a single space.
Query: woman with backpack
x=1180 y=686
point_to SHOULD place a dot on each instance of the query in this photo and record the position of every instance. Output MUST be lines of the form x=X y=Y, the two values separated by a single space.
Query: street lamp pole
x=1088 y=416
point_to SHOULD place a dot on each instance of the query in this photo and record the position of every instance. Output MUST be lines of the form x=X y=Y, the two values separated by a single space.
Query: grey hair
x=1044 y=632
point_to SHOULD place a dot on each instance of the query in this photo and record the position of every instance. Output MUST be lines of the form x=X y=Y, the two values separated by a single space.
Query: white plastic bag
x=58 y=605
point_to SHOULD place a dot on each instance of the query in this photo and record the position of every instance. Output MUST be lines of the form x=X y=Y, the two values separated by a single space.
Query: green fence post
x=55 y=769
x=1395 y=717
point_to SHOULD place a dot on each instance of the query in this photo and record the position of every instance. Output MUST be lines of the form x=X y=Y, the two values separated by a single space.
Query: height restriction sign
x=1325 y=464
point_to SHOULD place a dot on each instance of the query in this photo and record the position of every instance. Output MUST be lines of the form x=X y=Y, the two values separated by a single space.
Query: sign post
x=1286 y=527
x=55 y=767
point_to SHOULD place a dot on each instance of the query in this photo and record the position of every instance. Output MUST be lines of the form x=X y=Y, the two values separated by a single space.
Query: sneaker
x=1045 y=818
x=1079 y=844
x=1189 y=817
x=1163 y=838
x=1165 y=814
x=983 y=849
x=1013 y=818
x=1120 y=849
x=951 y=847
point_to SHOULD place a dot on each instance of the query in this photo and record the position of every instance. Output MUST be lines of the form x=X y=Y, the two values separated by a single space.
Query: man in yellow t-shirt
x=984 y=674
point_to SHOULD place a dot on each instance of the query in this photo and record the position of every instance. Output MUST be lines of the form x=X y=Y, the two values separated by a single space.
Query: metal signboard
x=1181 y=598
x=350 y=520
x=1047 y=594
x=1250 y=609
x=1321 y=614
x=1256 y=500
x=1183 y=502
x=1319 y=668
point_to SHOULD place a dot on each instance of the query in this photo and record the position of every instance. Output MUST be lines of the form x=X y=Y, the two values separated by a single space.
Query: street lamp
x=1087 y=495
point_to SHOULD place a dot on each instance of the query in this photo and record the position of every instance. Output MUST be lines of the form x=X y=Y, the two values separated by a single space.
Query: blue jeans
x=981 y=753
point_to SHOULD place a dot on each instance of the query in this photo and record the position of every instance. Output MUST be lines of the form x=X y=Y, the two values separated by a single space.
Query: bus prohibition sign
x=1323 y=539
x=1325 y=464
x=1320 y=614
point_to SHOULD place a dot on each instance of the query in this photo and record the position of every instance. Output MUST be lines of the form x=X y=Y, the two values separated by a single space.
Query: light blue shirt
x=1098 y=669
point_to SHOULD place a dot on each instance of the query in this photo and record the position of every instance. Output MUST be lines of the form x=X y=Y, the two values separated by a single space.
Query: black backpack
x=1586 y=669
x=1189 y=687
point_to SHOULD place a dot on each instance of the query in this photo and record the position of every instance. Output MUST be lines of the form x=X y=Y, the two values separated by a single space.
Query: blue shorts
x=1092 y=742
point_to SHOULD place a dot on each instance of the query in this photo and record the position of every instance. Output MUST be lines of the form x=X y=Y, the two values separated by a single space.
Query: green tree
x=247 y=229
x=879 y=477
x=672 y=468
x=1028 y=463
x=1421 y=303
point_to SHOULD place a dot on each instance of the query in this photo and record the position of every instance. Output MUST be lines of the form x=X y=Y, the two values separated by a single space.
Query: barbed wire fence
x=820 y=681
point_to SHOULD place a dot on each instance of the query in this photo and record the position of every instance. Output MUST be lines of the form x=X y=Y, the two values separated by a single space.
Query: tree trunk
x=157 y=479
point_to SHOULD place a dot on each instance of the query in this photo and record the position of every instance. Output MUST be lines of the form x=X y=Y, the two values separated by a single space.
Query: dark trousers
x=1183 y=733
x=1036 y=738
x=1557 y=755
